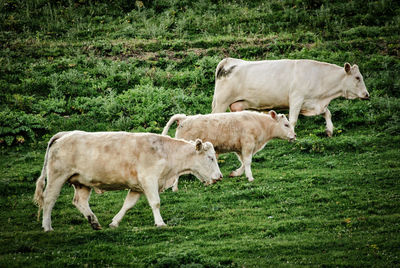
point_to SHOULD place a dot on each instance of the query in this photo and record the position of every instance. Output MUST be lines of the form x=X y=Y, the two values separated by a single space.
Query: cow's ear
x=199 y=145
x=347 y=67
x=273 y=114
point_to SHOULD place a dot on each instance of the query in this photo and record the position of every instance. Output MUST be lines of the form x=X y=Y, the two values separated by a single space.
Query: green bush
x=17 y=127
x=130 y=66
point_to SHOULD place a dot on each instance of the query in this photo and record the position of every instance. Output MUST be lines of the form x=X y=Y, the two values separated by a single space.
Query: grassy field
x=130 y=65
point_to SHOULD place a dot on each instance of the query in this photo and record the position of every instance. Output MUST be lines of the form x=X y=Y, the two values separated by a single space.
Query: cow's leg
x=50 y=196
x=220 y=107
x=175 y=185
x=246 y=158
x=130 y=201
x=81 y=202
x=240 y=170
x=329 y=124
x=221 y=99
x=150 y=189
x=294 y=110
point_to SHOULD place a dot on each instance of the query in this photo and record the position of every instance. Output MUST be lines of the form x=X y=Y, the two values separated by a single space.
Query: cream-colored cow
x=244 y=133
x=141 y=162
x=302 y=86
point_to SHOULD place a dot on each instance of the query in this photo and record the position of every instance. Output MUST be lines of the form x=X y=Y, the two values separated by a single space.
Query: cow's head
x=205 y=165
x=282 y=130
x=354 y=86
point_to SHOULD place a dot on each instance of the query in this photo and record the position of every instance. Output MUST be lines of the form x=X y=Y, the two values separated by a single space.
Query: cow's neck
x=274 y=131
x=179 y=159
x=333 y=92
x=268 y=133
x=324 y=101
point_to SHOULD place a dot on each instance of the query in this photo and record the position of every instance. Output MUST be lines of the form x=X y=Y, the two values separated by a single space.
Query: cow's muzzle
x=365 y=97
x=217 y=179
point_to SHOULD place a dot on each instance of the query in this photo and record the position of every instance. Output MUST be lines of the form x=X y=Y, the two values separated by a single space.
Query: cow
x=244 y=133
x=141 y=162
x=302 y=86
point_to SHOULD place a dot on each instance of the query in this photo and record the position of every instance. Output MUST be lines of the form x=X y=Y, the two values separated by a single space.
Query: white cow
x=302 y=86
x=141 y=162
x=244 y=133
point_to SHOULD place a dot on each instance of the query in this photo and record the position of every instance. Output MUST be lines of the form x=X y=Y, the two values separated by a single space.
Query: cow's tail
x=220 y=68
x=218 y=71
x=40 y=183
x=213 y=104
x=177 y=117
x=224 y=68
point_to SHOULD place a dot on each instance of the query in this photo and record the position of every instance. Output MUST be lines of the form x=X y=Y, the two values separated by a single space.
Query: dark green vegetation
x=130 y=65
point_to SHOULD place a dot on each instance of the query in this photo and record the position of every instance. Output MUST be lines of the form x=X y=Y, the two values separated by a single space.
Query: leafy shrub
x=144 y=108
x=51 y=105
x=130 y=66
x=17 y=126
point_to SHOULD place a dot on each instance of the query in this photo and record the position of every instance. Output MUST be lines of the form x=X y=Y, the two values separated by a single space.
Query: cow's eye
x=358 y=78
x=212 y=159
x=286 y=125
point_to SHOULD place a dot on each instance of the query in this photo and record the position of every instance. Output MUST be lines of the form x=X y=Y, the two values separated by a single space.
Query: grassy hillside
x=130 y=65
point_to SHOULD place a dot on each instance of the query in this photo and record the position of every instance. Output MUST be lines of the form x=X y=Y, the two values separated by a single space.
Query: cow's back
x=99 y=159
x=78 y=147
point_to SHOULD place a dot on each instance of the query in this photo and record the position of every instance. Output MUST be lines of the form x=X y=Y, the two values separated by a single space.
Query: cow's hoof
x=175 y=189
x=251 y=179
x=328 y=133
x=161 y=225
x=113 y=225
x=48 y=229
x=96 y=226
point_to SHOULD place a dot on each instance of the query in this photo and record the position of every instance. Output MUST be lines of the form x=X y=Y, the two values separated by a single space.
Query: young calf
x=244 y=133
x=141 y=162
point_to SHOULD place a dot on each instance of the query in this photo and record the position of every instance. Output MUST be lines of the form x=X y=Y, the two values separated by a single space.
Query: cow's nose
x=366 y=96
x=218 y=178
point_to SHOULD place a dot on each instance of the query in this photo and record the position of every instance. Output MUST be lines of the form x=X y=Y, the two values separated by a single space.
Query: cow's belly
x=224 y=135
x=109 y=187
x=106 y=181
x=310 y=108
x=266 y=101
x=262 y=107
x=221 y=149
x=222 y=143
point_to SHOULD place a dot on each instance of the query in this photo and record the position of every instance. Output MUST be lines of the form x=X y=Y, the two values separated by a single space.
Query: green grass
x=310 y=208
x=130 y=65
